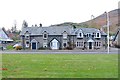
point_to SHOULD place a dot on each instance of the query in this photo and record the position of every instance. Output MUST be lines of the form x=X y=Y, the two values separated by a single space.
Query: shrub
x=9 y=47
x=18 y=47
x=69 y=48
x=42 y=48
x=117 y=46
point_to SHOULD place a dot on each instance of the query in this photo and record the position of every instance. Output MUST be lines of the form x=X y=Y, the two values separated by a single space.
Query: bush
x=69 y=48
x=18 y=47
x=117 y=46
x=42 y=48
x=9 y=47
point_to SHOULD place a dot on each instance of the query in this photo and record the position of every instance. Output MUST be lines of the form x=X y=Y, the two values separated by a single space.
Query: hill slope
x=99 y=21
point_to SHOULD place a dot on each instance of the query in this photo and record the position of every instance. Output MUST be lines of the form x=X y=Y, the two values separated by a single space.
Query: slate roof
x=116 y=34
x=89 y=30
x=4 y=36
x=52 y=30
x=58 y=30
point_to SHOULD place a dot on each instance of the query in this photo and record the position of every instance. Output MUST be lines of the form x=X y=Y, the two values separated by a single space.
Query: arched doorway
x=54 y=44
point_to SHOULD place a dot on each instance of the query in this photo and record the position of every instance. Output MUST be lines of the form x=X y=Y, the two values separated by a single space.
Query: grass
x=60 y=65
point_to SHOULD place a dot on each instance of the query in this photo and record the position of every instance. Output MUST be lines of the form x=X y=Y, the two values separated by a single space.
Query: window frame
x=64 y=35
x=80 y=36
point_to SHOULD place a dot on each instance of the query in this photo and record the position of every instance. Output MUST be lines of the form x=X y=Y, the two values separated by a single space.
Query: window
x=45 y=36
x=94 y=35
x=80 y=35
x=79 y=44
x=27 y=36
x=64 y=44
x=27 y=43
x=88 y=35
x=44 y=44
x=97 y=34
x=64 y=36
x=99 y=43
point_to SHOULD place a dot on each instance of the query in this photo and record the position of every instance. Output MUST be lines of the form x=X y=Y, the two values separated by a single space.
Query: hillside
x=99 y=21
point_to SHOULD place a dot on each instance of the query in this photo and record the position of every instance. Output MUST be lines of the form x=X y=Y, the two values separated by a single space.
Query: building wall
x=79 y=43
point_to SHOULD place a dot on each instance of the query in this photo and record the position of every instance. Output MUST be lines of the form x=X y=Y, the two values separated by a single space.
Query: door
x=34 y=45
x=90 y=45
x=54 y=44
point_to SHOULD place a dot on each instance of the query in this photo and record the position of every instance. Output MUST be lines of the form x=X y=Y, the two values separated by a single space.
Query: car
x=17 y=44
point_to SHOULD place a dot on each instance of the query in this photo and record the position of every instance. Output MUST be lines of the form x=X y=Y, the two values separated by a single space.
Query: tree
x=25 y=24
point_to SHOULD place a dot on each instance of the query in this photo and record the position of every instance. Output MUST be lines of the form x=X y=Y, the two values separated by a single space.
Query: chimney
x=40 y=25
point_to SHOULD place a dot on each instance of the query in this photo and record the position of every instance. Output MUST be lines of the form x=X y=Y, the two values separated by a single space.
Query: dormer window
x=65 y=35
x=80 y=35
x=27 y=35
x=98 y=35
x=45 y=35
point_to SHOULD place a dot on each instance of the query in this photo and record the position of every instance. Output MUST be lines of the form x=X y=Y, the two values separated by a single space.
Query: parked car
x=17 y=44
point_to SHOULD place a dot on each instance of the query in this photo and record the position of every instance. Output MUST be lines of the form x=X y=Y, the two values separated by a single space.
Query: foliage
x=9 y=47
x=117 y=45
x=42 y=48
x=18 y=47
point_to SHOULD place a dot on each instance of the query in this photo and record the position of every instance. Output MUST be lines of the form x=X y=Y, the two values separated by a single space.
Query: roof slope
x=52 y=30
x=4 y=36
x=58 y=30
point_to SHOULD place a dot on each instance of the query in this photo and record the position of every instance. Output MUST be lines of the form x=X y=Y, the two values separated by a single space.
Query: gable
x=3 y=35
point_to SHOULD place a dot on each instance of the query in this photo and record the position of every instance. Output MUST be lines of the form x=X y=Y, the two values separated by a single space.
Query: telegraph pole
x=108 y=25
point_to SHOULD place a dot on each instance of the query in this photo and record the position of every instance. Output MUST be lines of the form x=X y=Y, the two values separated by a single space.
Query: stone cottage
x=61 y=37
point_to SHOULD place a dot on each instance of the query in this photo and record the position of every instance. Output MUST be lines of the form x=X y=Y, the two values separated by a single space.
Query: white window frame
x=27 y=36
x=79 y=43
x=64 y=35
x=98 y=44
x=45 y=44
x=88 y=34
x=96 y=36
x=27 y=45
x=78 y=35
x=44 y=36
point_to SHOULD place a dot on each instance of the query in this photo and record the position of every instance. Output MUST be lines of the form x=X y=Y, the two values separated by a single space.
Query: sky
x=49 y=12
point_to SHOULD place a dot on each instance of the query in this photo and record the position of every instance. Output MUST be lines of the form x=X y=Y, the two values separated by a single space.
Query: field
x=60 y=65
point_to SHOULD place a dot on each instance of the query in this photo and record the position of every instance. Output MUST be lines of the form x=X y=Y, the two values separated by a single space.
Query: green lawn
x=60 y=65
